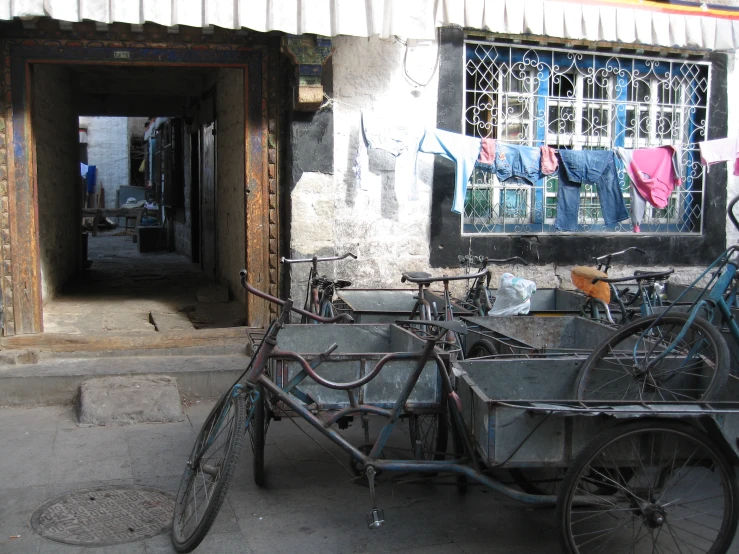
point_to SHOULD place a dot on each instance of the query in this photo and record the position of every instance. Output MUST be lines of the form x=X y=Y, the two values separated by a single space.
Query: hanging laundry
x=638 y=203
x=580 y=167
x=549 y=162
x=720 y=150
x=515 y=160
x=487 y=153
x=402 y=143
x=462 y=150
x=654 y=172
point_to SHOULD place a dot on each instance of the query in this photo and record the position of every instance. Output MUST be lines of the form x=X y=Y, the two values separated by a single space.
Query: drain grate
x=104 y=516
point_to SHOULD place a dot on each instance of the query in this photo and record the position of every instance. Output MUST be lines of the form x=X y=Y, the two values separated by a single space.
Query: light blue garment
x=462 y=150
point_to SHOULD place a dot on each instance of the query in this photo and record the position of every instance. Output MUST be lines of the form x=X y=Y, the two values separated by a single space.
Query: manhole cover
x=104 y=516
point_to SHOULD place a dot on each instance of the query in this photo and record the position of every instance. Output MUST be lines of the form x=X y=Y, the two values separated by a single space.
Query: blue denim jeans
x=514 y=160
x=579 y=167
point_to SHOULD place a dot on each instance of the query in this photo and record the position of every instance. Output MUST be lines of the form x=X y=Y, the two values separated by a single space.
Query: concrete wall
x=107 y=149
x=331 y=213
x=230 y=205
x=57 y=171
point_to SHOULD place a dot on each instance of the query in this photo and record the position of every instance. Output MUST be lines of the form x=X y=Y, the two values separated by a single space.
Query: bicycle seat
x=341 y=284
x=582 y=278
x=651 y=276
x=417 y=274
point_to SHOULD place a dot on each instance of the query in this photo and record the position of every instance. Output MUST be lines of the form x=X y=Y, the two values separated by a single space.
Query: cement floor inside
x=126 y=292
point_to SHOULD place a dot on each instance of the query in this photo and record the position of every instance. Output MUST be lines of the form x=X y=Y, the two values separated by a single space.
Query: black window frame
x=446 y=240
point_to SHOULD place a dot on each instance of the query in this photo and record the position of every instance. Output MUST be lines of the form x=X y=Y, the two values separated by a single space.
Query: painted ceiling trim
x=673 y=24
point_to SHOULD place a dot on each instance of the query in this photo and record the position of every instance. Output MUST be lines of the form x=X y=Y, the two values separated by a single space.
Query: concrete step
x=33 y=349
x=57 y=381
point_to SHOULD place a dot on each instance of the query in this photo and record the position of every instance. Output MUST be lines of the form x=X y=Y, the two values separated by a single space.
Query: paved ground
x=309 y=505
x=122 y=286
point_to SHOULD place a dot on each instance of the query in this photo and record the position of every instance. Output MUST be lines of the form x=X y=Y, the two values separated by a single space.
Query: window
x=581 y=100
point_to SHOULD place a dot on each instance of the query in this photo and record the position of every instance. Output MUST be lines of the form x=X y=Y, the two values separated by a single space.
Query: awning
x=675 y=24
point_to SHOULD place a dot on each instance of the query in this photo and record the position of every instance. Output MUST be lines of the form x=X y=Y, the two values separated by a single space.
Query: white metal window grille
x=581 y=100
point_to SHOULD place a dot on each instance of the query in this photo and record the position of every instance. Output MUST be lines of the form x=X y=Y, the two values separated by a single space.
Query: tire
x=429 y=435
x=538 y=480
x=257 y=433
x=612 y=372
x=481 y=348
x=216 y=451
x=680 y=493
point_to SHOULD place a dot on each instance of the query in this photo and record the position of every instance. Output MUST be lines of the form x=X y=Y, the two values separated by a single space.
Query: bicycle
x=319 y=294
x=610 y=498
x=649 y=286
x=478 y=297
x=426 y=311
x=678 y=354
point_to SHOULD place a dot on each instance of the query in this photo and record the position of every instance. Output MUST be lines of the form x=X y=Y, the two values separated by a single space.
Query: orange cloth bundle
x=582 y=278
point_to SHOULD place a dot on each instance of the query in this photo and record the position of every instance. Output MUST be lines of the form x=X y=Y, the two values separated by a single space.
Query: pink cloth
x=549 y=162
x=487 y=152
x=720 y=150
x=653 y=174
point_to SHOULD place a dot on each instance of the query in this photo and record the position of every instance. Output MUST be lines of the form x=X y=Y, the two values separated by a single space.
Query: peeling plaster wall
x=57 y=170
x=108 y=150
x=230 y=207
x=332 y=213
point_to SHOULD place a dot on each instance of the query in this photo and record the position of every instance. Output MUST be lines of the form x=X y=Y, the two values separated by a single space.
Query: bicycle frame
x=316 y=297
x=715 y=297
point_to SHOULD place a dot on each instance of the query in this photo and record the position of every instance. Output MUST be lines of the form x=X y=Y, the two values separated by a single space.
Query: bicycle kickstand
x=376 y=517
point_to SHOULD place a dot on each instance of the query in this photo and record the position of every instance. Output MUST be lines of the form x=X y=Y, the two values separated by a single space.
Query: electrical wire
x=436 y=63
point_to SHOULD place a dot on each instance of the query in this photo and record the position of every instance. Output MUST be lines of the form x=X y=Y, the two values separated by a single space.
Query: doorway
x=133 y=90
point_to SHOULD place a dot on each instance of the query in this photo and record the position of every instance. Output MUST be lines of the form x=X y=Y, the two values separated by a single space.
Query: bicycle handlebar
x=472 y=259
x=606 y=256
x=443 y=278
x=256 y=292
x=285 y=260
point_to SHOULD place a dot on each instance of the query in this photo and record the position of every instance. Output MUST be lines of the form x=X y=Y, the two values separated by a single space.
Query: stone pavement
x=309 y=505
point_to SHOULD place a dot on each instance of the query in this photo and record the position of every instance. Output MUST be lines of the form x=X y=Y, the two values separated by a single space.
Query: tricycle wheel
x=481 y=348
x=538 y=480
x=639 y=362
x=257 y=433
x=429 y=435
x=210 y=466
x=649 y=487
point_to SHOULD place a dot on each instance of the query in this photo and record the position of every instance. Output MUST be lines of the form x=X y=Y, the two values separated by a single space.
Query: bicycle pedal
x=375 y=518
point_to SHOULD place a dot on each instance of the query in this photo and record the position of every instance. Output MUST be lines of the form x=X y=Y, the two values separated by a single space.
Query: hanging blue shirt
x=462 y=150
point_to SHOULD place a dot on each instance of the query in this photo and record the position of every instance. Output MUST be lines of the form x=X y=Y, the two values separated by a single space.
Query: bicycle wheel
x=429 y=434
x=209 y=469
x=257 y=433
x=678 y=495
x=696 y=368
x=481 y=348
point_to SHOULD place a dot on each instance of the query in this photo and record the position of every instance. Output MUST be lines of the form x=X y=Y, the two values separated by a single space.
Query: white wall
x=732 y=235
x=107 y=149
x=331 y=214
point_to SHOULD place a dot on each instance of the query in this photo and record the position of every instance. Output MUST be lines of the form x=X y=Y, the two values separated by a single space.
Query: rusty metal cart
x=634 y=477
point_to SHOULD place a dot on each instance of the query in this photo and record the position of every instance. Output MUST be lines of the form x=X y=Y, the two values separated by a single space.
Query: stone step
x=32 y=349
x=57 y=381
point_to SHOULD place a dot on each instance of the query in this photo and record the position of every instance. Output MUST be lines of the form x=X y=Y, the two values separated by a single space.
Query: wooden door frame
x=20 y=245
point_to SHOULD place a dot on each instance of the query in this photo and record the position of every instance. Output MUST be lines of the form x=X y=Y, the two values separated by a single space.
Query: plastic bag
x=513 y=296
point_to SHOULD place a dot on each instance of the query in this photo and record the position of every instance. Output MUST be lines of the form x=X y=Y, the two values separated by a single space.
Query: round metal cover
x=105 y=515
